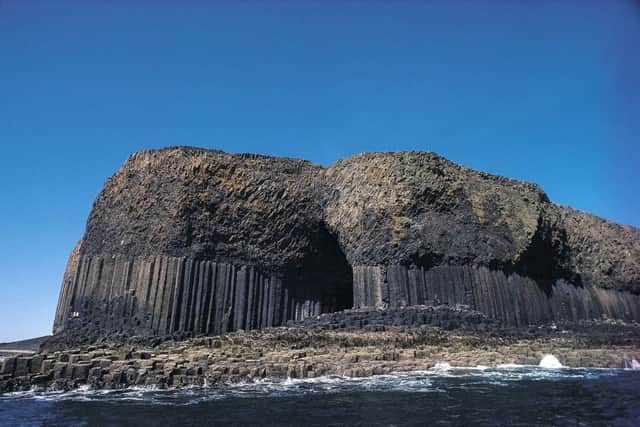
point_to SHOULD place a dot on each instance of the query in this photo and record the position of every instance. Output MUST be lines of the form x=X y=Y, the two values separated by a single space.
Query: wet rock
x=60 y=370
x=42 y=379
x=47 y=365
x=35 y=364
x=21 y=366
x=309 y=350
x=80 y=371
x=8 y=366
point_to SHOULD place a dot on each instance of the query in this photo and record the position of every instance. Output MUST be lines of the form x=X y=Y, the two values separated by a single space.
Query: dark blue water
x=514 y=396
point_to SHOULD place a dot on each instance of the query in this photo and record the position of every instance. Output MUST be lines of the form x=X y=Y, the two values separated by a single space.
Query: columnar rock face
x=164 y=295
x=514 y=299
x=185 y=240
x=200 y=241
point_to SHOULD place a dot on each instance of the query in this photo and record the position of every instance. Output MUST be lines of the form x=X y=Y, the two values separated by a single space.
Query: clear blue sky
x=547 y=92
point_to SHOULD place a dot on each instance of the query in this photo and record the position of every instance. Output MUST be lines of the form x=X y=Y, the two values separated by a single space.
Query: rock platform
x=352 y=343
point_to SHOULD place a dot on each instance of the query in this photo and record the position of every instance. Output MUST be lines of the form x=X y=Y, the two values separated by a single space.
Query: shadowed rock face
x=185 y=240
x=423 y=210
x=209 y=205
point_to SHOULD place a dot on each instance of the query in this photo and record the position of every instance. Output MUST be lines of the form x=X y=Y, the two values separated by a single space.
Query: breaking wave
x=439 y=379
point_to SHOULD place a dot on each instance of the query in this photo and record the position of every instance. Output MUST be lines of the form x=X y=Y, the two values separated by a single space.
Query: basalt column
x=512 y=298
x=193 y=241
x=163 y=295
x=168 y=295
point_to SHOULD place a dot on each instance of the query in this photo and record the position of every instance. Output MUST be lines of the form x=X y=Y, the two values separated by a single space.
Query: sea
x=505 y=395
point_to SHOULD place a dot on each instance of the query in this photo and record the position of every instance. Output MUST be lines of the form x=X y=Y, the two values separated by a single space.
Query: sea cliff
x=204 y=267
x=191 y=241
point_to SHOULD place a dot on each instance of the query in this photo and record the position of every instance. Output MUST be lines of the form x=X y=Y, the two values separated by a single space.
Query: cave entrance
x=543 y=261
x=324 y=275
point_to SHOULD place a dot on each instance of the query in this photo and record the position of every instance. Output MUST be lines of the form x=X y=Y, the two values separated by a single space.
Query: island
x=200 y=267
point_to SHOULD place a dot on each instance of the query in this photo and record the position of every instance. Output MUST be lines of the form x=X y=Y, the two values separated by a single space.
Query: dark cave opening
x=543 y=261
x=323 y=275
x=425 y=259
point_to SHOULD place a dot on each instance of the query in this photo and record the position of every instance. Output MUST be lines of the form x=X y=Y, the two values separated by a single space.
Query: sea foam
x=549 y=361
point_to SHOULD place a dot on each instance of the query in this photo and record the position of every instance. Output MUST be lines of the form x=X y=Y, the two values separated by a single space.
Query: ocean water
x=509 y=395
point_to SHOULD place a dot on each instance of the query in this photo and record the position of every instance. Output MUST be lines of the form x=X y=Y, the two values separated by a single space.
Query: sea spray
x=441 y=366
x=549 y=361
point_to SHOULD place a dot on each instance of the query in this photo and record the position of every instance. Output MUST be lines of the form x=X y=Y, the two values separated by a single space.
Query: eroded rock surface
x=353 y=343
x=192 y=241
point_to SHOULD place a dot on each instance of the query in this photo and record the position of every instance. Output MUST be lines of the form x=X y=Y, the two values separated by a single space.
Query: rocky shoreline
x=354 y=343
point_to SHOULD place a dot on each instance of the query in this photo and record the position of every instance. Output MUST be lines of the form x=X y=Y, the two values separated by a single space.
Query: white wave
x=439 y=378
x=549 y=361
x=441 y=366
x=632 y=365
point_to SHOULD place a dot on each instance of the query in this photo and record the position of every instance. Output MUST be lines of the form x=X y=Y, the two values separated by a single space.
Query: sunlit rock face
x=192 y=241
